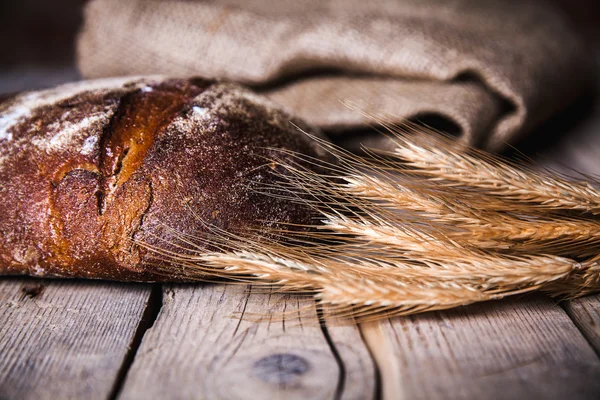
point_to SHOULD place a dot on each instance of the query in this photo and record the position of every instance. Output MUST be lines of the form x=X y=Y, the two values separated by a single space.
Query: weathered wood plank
x=585 y=313
x=515 y=348
x=65 y=339
x=197 y=350
x=359 y=377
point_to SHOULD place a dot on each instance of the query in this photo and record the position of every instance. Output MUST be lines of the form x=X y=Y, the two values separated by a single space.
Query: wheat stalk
x=445 y=212
x=494 y=177
x=436 y=156
x=365 y=285
x=347 y=291
x=384 y=243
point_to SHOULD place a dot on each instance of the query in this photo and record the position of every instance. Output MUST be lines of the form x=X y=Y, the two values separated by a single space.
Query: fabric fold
x=494 y=68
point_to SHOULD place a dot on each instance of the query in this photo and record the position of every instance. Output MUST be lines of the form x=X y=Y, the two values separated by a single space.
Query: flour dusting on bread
x=89 y=169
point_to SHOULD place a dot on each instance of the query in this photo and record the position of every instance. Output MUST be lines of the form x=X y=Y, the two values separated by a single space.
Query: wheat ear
x=494 y=176
x=445 y=212
x=383 y=243
x=344 y=290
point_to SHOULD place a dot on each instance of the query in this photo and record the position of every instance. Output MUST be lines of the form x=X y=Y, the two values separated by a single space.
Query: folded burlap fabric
x=494 y=69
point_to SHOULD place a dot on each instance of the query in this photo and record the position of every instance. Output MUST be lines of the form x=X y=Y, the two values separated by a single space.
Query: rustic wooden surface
x=62 y=339
x=585 y=313
x=359 y=372
x=511 y=349
x=205 y=343
x=197 y=345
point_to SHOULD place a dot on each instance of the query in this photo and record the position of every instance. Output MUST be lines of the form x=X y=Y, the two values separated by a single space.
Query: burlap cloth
x=494 y=69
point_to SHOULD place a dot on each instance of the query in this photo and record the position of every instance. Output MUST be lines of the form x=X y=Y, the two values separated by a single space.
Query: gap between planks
x=197 y=349
x=381 y=346
x=65 y=339
x=527 y=346
x=515 y=348
x=585 y=314
x=149 y=316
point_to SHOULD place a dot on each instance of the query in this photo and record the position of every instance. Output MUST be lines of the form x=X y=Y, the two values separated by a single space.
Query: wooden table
x=102 y=340
x=98 y=340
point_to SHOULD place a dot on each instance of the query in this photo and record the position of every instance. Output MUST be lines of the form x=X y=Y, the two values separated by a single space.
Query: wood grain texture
x=200 y=348
x=515 y=348
x=358 y=367
x=65 y=339
x=585 y=313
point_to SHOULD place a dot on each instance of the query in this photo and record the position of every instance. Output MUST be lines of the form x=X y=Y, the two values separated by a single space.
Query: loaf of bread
x=90 y=169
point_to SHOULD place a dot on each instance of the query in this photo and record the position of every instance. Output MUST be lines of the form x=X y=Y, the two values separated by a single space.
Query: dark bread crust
x=84 y=171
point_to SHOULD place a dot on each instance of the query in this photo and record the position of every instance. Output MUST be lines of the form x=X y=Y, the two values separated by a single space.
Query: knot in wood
x=281 y=368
